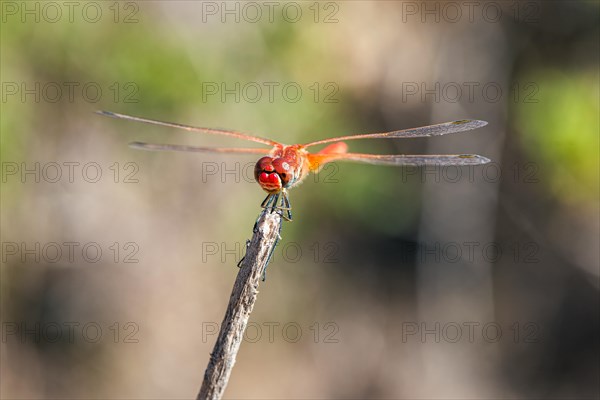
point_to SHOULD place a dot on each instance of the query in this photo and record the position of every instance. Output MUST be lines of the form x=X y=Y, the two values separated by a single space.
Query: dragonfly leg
x=282 y=205
x=239 y=264
x=270 y=204
x=267 y=201
x=277 y=202
x=287 y=206
x=264 y=274
x=275 y=206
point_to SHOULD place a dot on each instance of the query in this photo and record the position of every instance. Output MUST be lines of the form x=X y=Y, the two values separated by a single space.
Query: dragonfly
x=283 y=167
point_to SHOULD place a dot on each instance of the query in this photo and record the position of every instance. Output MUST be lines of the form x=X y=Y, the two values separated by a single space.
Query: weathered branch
x=240 y=306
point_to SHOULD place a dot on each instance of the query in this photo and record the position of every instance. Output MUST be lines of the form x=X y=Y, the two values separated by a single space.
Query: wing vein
x=190 y=128
x=439 y=160
x=196 y=149
x=424 y=131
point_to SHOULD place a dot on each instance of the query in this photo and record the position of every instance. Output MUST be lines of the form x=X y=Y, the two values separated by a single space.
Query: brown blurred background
x=400 y=283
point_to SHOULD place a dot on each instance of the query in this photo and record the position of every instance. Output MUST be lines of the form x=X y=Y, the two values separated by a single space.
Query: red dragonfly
x=285 y=166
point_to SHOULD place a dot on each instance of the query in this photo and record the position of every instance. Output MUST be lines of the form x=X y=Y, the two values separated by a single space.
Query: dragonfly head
x=273 y=174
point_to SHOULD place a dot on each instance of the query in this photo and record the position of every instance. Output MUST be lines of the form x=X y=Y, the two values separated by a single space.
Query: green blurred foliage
x=371 y=211
x=169 y=68
x=561 y=132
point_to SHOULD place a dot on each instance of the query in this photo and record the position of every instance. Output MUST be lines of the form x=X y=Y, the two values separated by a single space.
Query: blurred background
x=438 y=283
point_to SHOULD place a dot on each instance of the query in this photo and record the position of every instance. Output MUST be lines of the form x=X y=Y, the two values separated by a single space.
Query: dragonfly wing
x=424 y=131
x=211 y=131
x=318 y=160
x=195 y=149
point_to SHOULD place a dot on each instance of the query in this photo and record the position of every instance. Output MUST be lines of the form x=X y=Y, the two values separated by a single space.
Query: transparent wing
x=318 y=160
x=424 y=131
x=195 y=149
x=211 y=131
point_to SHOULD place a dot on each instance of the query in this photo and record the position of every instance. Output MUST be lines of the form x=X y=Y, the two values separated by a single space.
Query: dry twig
x=243 y=296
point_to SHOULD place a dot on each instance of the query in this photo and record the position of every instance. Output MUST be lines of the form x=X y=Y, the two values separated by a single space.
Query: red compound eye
x=268 y=179
x=266 y=175
x=284 y=170
x=262 y=165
